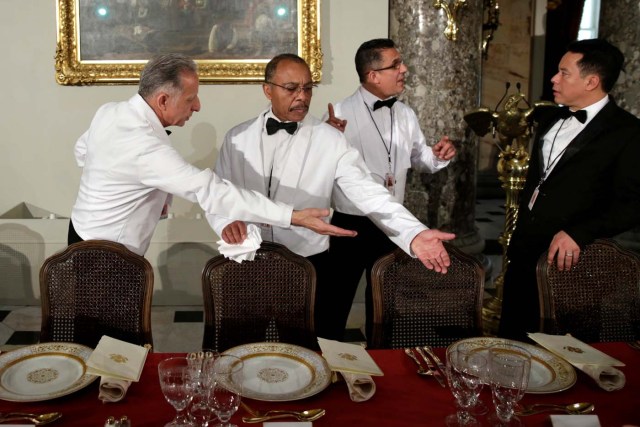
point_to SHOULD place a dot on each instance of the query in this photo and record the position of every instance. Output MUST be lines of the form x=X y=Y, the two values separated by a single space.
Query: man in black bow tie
x=583 y=181
x=388 y=135
x=304 y=161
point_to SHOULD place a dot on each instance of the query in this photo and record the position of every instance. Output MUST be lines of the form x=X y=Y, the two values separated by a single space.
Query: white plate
x=280 y=372
x=549 y=373
x=44 y=371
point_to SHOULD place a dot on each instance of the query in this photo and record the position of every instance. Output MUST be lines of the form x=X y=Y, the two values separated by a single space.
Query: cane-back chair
x=417 y=306
x=269 y=299
x=597 y=300
x=96 y=288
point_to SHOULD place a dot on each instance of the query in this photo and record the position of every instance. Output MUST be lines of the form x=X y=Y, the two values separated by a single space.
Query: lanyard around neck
x=388 y=150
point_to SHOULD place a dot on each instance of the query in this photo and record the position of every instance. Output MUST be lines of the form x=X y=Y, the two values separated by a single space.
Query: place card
x=345 y=357
x=287 y=424
x=117 y=359
x=573 y=350
x=575 y=421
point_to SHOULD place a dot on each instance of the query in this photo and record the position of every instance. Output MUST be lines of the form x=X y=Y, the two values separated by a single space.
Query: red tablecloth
x=403 y=398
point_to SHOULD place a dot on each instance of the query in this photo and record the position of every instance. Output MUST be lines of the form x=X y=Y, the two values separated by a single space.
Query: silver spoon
x=572 y=408
x=38 y=420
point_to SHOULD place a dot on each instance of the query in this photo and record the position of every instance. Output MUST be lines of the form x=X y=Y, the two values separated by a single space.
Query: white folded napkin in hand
x=589 y=360
x=112 y=389
x=361 y=387
x=245 y=251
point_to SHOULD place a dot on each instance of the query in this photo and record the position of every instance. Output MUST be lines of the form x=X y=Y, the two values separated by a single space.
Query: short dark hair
x=368 y=55
x=270 y=69
x=163 y=72
x=599 y=57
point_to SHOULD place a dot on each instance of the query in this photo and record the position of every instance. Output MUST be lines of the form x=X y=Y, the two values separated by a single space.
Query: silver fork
x=421 y=370
x=437 y=374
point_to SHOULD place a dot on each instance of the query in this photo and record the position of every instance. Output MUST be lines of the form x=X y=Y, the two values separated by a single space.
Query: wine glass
x=177 y=387
x=224 y=395
x=509 y=368
x=201 y=371
x=466 y=371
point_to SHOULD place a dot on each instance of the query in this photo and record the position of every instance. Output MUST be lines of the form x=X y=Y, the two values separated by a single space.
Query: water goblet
x=201 y=369
x=466 y=371
x=509 y=368
x=177 y=388
x=226 y=388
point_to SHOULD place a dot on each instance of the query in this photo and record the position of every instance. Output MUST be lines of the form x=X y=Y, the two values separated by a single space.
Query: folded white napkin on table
x=112 y=389
x=589 y=360
x=361 y=386
x=118 y=363
x=244 y=251
x=355 y=365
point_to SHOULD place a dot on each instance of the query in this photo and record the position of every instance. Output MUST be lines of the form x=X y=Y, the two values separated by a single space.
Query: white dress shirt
x=558 y=138
x=129 y=171
x=307 y=167
x=365 y=131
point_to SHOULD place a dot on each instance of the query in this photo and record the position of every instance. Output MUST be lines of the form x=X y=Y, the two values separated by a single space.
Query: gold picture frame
x=108 y=42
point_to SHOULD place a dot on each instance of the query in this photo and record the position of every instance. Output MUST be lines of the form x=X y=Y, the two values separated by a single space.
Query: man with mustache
x=387 y=134
x=130 y=170
x=583 y=181
x=295 y=158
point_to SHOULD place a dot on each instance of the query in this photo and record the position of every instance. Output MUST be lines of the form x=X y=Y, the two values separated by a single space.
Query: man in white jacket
x=130 y=170
x=295 y=158
x=387 y=134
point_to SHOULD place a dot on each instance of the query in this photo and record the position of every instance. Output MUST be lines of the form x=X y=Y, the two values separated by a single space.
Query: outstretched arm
x=428 y=247
x=311 y=218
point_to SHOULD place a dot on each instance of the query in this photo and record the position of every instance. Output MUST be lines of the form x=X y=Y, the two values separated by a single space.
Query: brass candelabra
x=514 y=126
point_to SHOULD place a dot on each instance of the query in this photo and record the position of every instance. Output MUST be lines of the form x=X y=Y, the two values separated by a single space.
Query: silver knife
x=441 y=366
x=436 y=373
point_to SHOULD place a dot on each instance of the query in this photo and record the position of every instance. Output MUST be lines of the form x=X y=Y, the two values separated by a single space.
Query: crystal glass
x=509 y=368
x=466 y=373
x=201 y=371
x=224 y=395
x=177 y=387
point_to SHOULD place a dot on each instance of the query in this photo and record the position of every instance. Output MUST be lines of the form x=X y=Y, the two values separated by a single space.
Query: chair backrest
x=96 y=288
x=269 y=299
x=598 y=300
x=417 y=306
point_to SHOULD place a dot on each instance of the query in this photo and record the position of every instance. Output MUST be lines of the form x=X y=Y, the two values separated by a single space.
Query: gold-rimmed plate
x=281 y=372
x=44 y=371
x=549 y=373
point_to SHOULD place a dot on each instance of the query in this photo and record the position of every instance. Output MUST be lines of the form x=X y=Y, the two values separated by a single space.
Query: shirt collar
x=370 y=98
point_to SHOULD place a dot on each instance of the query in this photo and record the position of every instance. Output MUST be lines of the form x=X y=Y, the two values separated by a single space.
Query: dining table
x=402 y=398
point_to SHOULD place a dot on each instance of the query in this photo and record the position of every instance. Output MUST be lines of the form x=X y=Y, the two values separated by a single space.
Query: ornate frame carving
x=72 y=69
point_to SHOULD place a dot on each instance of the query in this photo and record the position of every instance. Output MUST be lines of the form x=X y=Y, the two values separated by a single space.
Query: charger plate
x=549 y=373
x=44 y=371
x=281 y=372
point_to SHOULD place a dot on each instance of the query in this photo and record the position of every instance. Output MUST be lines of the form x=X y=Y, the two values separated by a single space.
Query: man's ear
x=161 y=100
x=593 y=82
x=266 y=88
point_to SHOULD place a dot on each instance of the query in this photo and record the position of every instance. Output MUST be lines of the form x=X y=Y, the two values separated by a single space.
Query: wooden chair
x=96 y=288
x=413 y=305
x=598 y=300
x=268 y=299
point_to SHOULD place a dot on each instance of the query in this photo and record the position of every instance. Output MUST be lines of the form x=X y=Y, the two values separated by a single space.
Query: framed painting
x=109 y=41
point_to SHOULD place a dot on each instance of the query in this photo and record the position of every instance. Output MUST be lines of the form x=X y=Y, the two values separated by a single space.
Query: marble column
x=442 y=85
x=619 y=24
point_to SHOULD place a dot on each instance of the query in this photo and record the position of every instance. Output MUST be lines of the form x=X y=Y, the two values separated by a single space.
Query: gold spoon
x=572 y=408
x=309 y=415
x=38 y=420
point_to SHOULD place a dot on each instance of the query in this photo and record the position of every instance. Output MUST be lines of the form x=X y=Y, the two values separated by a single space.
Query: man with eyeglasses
x=296 y=158
x=387 y=134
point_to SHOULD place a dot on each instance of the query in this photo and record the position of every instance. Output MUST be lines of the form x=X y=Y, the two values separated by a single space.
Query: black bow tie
x=580 y=115
x=386 y=103
x=274 y=126
x=168 y=132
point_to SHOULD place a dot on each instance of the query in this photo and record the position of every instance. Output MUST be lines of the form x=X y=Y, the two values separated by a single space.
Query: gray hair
x=163 y=72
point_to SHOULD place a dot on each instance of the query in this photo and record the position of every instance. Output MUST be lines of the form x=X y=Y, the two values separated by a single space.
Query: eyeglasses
x=395 y=66
x=295 y=89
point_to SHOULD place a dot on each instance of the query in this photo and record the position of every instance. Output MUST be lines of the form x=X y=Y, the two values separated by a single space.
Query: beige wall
x=40 y=120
